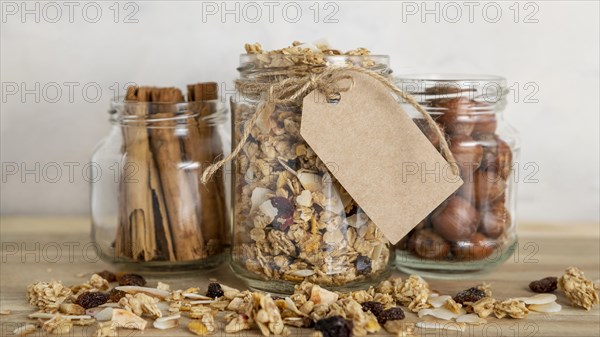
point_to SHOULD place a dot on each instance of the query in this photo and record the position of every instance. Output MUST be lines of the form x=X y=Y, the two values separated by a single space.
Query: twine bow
x=283 y=89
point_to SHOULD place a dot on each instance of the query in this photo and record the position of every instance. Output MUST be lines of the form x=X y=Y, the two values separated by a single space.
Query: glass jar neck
x=124 y=112
x=257 y=65
x=471 y=94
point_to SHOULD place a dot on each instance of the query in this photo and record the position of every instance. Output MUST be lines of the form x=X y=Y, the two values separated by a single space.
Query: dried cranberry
x=334 y=326
x=391 y=314
x=115 y=295
x=285 y=212
x=107 y=275
x=91 y=299
x=470 y=295
x=214 y=290
x=363 y=265
x=132 y=280
x=545 y=285
x=375 y=308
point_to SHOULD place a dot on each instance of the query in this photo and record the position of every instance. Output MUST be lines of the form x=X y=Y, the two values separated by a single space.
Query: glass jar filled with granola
x=474 y=229
x=293 y=221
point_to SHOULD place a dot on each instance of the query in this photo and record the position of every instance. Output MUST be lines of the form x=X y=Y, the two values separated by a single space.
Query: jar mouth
x=472 y=93
x=124 y=111
x=255 y=63
x=331 y=58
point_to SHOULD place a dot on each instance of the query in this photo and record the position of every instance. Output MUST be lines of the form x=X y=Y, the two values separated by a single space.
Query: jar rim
x=330 y=60
x=341 y=56
x=155 y=111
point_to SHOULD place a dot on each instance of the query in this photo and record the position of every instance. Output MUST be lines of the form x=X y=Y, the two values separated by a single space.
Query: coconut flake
x=322 y=296
x=104 y=314
x=167 y=322
x=441 y=313
x=24 y=330
x=473 y=319
x=259 y=195
x=290 y=305
x=128 y=320
x=304 y=199
x=268 y=210
x=357 y=220
x=546 y=307
x=438 y=301
x=195 y=296
x=46 y=315
x=202 y=302
x=302 y=272
x=310 y=181
x=146 y=290
x=538 y=299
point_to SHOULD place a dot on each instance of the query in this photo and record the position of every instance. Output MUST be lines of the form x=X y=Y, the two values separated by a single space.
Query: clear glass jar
x=474 y=230
x=292 y=220
x=148 y=206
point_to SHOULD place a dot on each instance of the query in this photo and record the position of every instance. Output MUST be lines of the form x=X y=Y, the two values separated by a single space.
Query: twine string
x=277 y=88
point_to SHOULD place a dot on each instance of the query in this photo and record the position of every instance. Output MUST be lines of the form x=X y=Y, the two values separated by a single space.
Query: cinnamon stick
x=144 y=233
x=180 y=192
x=212 y=194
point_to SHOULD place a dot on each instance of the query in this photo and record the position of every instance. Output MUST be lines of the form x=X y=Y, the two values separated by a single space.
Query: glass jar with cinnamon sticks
x=149 y=207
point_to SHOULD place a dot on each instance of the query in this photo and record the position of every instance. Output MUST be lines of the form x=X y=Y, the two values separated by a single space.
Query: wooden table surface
x=42 y=249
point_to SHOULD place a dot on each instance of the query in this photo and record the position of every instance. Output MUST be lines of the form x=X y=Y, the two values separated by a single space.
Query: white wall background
x=171 y=45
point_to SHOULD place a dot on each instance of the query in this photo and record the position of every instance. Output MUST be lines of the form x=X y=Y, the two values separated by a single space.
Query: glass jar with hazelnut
x=474 y=229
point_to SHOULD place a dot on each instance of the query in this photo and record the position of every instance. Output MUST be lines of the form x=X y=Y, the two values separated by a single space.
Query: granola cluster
x=305 y=54
x=48 y=296
x=579 y=290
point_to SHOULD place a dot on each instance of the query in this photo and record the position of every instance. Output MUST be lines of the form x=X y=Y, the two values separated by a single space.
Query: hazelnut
x=467 y=152
x=427 y=131
x=477 y=247
x=456 y=219
x=489 y=187
x=467 y=189
x=457 y=117
x=495 y=220
x=497 y=155
x=486 y=123
x=403 y=243
x=429 y=245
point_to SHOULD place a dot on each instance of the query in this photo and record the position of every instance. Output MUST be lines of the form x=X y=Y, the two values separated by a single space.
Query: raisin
x=391 y=314
x=91 y=299
x=545 y=285
x=363 y=265
x=110 y=277
x=115 y=295
x=334 y=326
x=285 y=213
x=375 y=308
x=470 y=295
x=214 y=290
x=132 y=280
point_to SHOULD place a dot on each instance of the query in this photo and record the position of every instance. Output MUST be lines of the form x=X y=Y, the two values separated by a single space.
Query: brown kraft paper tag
x=378 y=155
